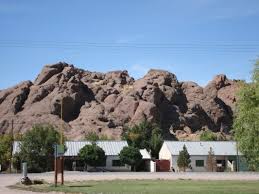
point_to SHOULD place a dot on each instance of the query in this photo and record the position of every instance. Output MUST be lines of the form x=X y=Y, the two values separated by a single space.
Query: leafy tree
x=92 y=155
x=16 y=160
x=37 y=148
x=156 y=142
x=208 y=136
x=138 y=135
x=246 y=122
x=145 y=135
x=5 y=151
x=211 y=161
x=93 y=137
x=183 y=160
x=131 y=156
x=104 y=137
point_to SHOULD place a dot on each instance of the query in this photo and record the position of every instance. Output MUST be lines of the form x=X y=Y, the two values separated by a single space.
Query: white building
x=111 y=149
x=225 y=152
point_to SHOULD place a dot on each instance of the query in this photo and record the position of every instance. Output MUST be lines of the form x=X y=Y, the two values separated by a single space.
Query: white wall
x=109 y=166
x=164 y=154
x=193 y=163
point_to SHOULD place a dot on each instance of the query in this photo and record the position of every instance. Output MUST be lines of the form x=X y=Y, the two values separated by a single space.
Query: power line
x=195 y=45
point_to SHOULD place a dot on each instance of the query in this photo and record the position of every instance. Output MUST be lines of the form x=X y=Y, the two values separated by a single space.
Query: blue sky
x=195 y=39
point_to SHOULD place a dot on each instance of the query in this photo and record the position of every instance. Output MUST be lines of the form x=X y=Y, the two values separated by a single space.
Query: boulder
x=48 y=71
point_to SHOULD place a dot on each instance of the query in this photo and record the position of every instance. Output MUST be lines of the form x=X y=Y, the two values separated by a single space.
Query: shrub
x=92 y=155
x=208 y=136
x=145 y=135
x=5 y=150
x=211 y=161
x=183 y=160
x=37 y=148
x=131 y=156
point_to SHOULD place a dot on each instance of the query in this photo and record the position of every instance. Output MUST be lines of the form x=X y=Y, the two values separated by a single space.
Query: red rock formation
x=106 y=103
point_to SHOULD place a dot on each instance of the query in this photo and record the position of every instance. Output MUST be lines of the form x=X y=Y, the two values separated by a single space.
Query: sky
x=194 y=39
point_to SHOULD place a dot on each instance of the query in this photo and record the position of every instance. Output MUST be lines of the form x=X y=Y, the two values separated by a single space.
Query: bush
x=16 y=160
x=93 y=136
x=211 y=161
x=131 y=156
x=5 y=151
x=208 y=136
x=37 y=148
x=92 y=155
x=145 y=135
x=246 y=120
x=183 y=160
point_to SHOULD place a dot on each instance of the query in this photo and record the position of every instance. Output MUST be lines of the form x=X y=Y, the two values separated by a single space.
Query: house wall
x=109 y=166
x=193 y=164
x=231 y=166
x=164 y=154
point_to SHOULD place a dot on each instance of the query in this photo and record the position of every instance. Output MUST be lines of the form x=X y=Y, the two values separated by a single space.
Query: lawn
x=151 y=187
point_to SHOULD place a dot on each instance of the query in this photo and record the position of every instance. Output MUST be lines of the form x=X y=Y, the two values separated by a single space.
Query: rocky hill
x=107 y=102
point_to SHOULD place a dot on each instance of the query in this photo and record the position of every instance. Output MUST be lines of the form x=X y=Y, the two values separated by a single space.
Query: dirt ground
x=10 y=179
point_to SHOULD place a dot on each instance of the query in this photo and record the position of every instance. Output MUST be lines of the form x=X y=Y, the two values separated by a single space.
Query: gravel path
x=10 y=179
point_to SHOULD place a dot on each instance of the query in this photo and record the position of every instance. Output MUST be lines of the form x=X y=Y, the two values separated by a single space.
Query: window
x=117 y=163
x=199 y=163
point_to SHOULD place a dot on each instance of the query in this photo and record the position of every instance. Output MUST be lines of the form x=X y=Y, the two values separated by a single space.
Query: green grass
x=150 y=187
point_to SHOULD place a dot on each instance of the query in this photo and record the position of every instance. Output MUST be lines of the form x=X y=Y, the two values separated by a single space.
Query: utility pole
x=59 y=151
x=62 y=143
x=11 y=148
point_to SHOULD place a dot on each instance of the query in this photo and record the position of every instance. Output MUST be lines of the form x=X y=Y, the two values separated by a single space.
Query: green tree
x=246 y=121
x=37 y=148
x=156 y=142
x=183 y=160
x=211 y=161
x=92 y=155
x=131 y=156
x=208 y=136
x=5 y=151
x=93 y=137
x=16 y=160
x=145 y=135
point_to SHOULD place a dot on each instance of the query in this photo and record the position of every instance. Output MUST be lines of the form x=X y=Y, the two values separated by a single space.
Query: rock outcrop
x=107 y=102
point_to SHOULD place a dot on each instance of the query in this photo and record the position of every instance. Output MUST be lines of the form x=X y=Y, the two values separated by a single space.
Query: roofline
x=214 y=155
x=197 y=141
x=96 y=141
